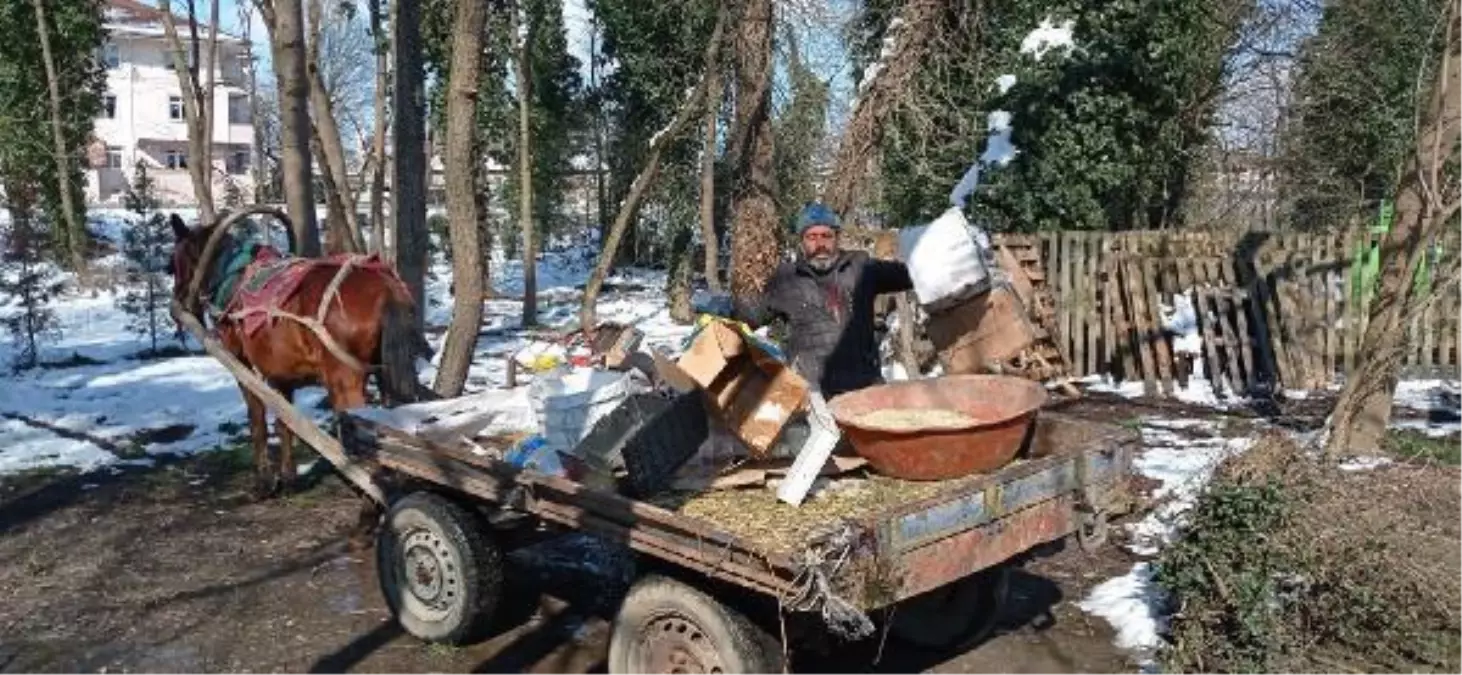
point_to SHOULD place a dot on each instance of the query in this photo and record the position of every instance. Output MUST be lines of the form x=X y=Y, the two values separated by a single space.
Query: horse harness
x=252 y=264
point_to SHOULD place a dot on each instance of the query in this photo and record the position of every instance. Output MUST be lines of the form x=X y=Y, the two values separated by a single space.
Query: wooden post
x=328 y=447
x=1110 y=301
x=1348 y=310
x=1232 y=339
x=1159 y=339
x=1331 y=263
x=1068 y=298
x=1090 y=280
x=1284 y=373
x=1141 y=331
x=1245 y=338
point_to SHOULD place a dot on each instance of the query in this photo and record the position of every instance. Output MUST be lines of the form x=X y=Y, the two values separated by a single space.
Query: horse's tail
x=401 y=344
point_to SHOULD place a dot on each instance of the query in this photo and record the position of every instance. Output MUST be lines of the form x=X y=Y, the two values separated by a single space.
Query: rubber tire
x=742 y=646
x=930 y=620
x=466 y=540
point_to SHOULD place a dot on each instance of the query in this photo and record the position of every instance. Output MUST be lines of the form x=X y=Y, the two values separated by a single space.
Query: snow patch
x=1046 y=37
x=1132 y=603
x=1363 y=463
x=1005 y=82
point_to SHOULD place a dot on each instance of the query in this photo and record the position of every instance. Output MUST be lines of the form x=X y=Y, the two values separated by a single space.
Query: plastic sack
x=949 y=260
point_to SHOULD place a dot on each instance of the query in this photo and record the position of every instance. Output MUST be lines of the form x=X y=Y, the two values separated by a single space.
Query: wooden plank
x=1231 y=337
x=302 y=426
x=1331 y=263
x=1159 y=339
x=1269 y=300
x=1208 y=331
x=1067 y=295
x=1239 y=301
x=1349 y=311
x=1111 y=307
x=1136 y=315
x=1092 y=242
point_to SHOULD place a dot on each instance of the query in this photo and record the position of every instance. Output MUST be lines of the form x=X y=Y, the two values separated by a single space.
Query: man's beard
x=822 y=262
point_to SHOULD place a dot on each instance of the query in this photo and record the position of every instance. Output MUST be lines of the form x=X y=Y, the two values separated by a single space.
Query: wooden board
x=1231 y=337
x=1136 y=316
x=328 y=447
x=1245 y=338
x=1161 y=350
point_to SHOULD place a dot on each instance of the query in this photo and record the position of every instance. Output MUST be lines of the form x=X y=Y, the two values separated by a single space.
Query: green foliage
x=799 y=131
x=1232 y=622
x=28 y=284
x=1417 y=446
x=1356 y=97
x=657 y=49
x=147 y=245
x=26 y=145
x=1106 y=134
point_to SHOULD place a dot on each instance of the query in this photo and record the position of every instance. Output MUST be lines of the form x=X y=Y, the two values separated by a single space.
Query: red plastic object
x=1002 y=409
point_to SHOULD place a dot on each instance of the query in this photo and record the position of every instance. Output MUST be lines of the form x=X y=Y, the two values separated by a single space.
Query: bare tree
x=409 y=173
x=285 y=20
x=342 y=233
x=629 y=208
x=462 y=166
x=197 y=98
x=755 y=240
x=525 y=166
x=882 y=87
x=1427 y=201
x=708 y=178
x=76 y=235
x=256 y=118
x=378 y=131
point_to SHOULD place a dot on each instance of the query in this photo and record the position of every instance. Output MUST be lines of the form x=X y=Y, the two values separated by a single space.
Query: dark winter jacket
x=829 y=316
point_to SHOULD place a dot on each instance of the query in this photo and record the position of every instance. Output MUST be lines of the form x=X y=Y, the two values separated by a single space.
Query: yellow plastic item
x=545 y=362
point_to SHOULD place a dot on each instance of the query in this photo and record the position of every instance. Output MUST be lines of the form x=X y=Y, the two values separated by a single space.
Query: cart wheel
x=666 y=626
x=441 y=575
x=955 y=615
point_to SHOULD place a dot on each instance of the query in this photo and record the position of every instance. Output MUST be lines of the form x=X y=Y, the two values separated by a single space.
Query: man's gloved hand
x=716 y=304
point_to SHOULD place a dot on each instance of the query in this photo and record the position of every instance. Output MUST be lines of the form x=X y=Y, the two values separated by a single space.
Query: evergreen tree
x=76 y=38
x=28 y=281
x=146 y=245
x=1106 y=132
x=1355 y=102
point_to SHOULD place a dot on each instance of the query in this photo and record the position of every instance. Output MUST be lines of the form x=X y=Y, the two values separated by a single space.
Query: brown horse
x=286 y=338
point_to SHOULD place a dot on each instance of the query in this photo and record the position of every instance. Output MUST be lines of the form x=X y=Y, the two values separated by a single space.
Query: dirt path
x=174 y=568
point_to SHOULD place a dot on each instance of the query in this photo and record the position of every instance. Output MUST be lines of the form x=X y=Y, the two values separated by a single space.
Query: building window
x=177 y=159
x=175 y=108
x=109 y=107
x=239 y=162
x=238 y=109
x=111 y=56
x=114 y=157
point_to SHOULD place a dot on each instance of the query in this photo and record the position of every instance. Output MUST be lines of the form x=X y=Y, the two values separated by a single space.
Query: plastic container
x=569 y=403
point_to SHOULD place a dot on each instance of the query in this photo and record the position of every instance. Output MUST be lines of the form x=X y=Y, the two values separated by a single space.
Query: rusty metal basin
x=1001 y=408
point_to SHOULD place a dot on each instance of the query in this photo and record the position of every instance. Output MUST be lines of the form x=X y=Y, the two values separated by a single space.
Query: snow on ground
x=77 y=415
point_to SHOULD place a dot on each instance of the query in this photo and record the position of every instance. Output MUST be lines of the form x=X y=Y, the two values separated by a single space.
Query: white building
x=142 y=116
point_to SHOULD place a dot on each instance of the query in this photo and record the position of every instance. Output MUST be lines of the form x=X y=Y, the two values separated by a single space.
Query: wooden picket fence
x=1274 y=309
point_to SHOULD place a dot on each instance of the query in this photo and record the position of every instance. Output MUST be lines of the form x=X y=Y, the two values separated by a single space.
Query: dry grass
x=1293 y=564
x=756 y=515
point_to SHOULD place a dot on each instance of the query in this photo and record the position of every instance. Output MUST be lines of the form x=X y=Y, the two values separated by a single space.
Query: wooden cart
x=936 y=546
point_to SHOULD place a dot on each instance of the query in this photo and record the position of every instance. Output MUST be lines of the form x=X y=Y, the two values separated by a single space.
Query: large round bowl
x=1001 y=410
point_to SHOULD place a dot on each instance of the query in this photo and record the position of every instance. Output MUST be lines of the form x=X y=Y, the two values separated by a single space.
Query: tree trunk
x=755 y=240
x=877 y=96
x=342 y=225
x=378 y=135
x=75 y=234
x=525 y=171
x=678 y=282
x=461 y=167
x=1424 y=206
x=246 y=15
x=409 y=173
x=197 y=107
x=708 y=179
x=642 y=182
x=599 y=196
x=286 y=21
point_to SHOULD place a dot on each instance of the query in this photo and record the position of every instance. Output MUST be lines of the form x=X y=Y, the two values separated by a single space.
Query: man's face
x=820 y=247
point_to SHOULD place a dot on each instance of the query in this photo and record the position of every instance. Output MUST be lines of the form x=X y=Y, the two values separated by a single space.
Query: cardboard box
x=749 y=390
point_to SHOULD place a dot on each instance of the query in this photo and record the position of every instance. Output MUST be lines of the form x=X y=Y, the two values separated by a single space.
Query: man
x=826 y=298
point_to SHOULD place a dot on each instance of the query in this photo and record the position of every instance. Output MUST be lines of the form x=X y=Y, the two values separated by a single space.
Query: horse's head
x=188 y=245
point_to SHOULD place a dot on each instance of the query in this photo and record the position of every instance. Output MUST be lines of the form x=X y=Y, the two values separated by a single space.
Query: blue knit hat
x=816 y=213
